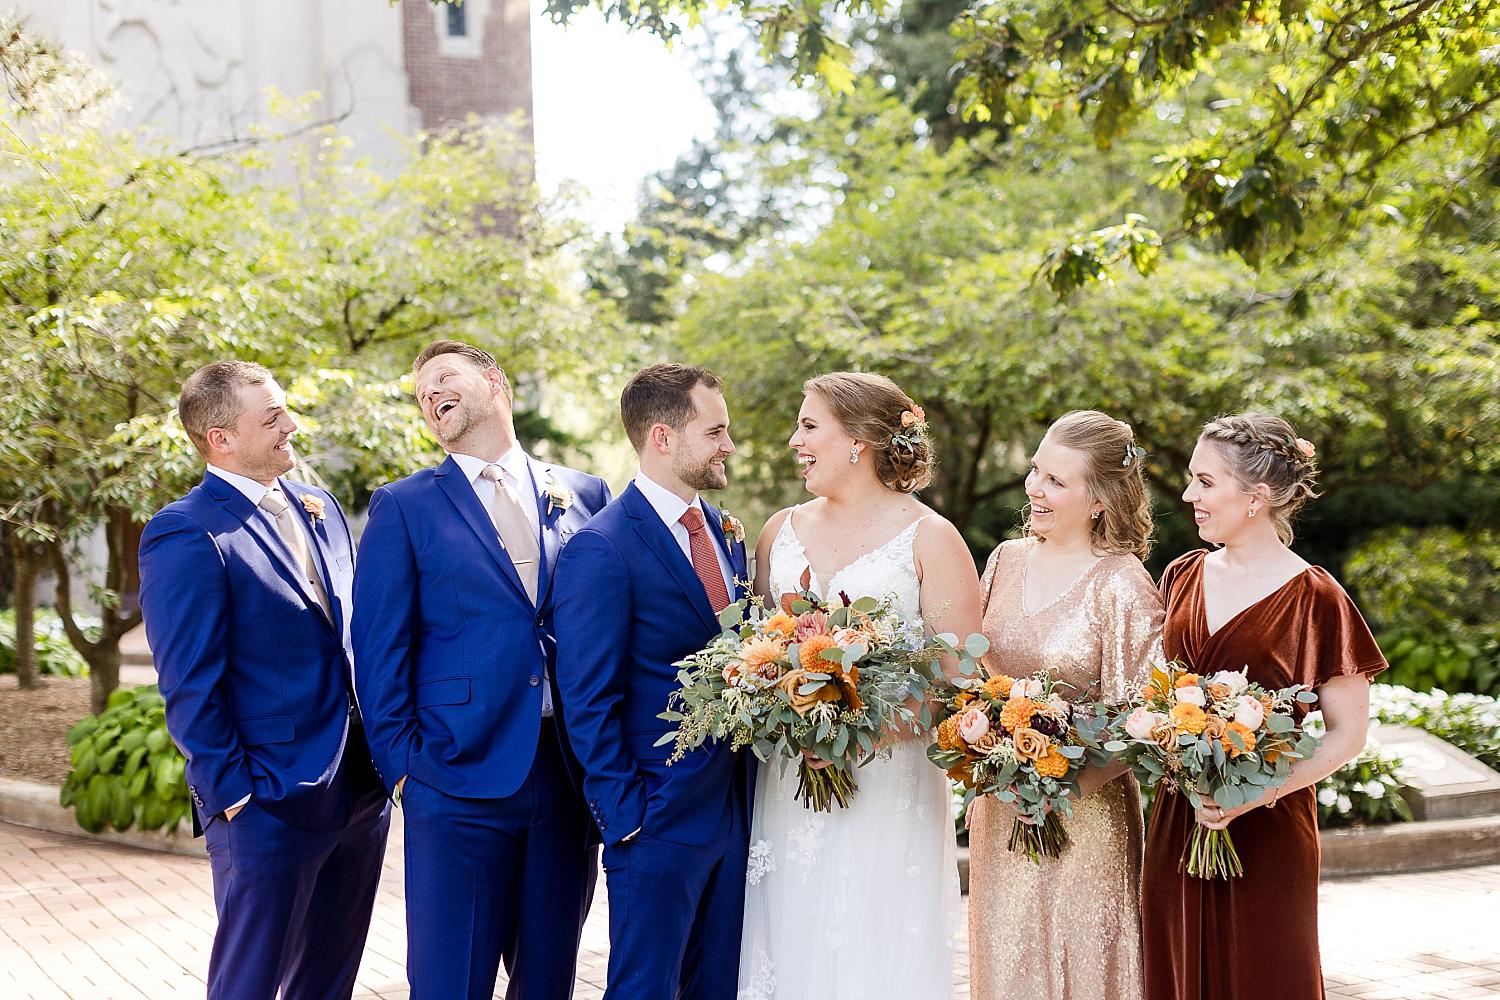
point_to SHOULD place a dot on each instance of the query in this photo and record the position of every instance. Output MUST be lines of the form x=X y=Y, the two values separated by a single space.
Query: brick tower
x=468 y=59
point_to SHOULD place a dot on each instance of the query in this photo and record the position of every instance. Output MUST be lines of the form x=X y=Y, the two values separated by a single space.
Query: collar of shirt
x=514 y=465
x=668 y=505
x=254 y=492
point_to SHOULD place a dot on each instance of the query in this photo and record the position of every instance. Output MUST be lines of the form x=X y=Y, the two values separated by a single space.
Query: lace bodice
x=888 y=570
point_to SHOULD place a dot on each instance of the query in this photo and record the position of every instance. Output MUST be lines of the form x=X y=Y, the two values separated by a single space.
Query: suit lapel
x=659 y=539
x=269 y=538
x=451 y=479
x=547 y=531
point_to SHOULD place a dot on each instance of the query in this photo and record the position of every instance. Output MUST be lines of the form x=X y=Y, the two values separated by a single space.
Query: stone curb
x=26 y=803
x=1425 y=845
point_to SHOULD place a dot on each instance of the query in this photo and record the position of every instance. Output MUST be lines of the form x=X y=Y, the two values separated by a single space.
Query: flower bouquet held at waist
x=830 y=680
x=1021 y=741
x=1220 y=737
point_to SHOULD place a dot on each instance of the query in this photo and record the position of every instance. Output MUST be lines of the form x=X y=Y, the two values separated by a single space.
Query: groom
x=637 y=589
x=453 y=645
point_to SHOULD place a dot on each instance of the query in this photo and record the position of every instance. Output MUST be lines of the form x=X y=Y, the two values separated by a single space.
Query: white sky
x=611 y=107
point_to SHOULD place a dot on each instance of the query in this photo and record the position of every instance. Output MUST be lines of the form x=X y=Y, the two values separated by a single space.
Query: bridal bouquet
x=1219 y=736
x=1020 y=740
x=830 y=680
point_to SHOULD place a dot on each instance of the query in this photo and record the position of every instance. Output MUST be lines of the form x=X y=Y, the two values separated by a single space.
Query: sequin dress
x=859 y=903
x=1069 y=927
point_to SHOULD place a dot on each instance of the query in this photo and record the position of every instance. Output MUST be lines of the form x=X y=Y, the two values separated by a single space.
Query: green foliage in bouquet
x=55 y=655
x=126 y=769
x=1364 y=792
x=809 y=678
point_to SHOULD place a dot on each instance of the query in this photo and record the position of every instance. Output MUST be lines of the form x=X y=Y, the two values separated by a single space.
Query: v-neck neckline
x=1073 y=585
x=813 y=575
x=1203 y=599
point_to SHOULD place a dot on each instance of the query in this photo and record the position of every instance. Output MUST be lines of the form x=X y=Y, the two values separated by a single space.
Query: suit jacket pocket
x=267 y=729
x=447 y=691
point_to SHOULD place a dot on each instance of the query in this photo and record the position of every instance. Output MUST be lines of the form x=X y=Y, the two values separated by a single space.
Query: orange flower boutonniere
x=314 y=507
x=733 y=527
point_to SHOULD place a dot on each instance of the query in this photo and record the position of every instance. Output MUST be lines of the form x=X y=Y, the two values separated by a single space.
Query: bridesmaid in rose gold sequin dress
x=1069 y=928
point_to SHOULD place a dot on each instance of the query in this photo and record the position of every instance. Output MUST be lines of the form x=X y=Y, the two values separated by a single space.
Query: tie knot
x=692 y=519
x=492 y=473
x=274 y=501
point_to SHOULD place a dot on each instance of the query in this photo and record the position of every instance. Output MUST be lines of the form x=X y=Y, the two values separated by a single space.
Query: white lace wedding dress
x=859 y=903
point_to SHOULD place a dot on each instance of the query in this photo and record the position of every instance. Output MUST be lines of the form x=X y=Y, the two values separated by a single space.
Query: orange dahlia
x=1017 y=713
x=780 y=624
x=999 y=686
x=947 y=734
x=1054 y=765
x=1189 y=717
x=760 y=652
x=810 y=648
x=1244 y=733
x=962 y=699
x=1186 y=680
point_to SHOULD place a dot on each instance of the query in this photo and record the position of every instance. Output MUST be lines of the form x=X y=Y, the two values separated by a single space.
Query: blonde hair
x=1263 y=448
x=870 y=407
x=1114 y=476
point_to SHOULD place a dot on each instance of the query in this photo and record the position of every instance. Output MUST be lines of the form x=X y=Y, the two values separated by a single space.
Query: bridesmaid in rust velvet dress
x=1071 y=599
x=1253 y=603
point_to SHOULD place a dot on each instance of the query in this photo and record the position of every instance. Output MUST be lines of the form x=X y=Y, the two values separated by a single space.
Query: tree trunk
x=104 y=672
x=26 y=568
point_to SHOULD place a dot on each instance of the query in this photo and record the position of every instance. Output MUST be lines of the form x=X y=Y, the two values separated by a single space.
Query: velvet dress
x=1253 y=937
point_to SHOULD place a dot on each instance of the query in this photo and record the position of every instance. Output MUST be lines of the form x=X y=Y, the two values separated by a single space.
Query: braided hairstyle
x=1115 y=479
x=869 y=407
x=1263 y=448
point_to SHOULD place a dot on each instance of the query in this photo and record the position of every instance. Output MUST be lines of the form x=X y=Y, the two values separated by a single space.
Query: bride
x=859 y=903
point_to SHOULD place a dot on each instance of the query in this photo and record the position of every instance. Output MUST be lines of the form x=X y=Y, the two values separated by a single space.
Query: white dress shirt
x=515 y=469
x=670 y=507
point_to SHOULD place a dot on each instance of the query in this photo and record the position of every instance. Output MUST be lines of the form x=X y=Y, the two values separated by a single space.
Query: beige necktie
x=516 y=533
x=296 y=540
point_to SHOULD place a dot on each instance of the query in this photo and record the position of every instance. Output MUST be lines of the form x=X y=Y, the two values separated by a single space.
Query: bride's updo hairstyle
x=871 y=407
x=1115 y=478
x=1263 y=448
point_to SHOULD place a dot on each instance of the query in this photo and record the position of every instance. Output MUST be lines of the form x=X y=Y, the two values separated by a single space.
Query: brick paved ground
x=92 y=922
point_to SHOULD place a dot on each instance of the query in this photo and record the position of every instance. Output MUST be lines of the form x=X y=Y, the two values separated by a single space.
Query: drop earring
x=1097 y=513
x=853 y=455
x=1252 y=512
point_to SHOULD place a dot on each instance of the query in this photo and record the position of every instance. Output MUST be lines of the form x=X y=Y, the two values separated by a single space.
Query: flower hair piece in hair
x=913 y=430
x=1305 y=447
x=1133 y=453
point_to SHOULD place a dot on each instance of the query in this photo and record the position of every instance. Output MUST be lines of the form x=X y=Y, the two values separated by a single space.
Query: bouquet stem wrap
x=1211 y=854
x=819 y=788
x=1046 y=838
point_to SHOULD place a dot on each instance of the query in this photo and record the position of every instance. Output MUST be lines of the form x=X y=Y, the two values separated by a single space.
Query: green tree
x=126 y=264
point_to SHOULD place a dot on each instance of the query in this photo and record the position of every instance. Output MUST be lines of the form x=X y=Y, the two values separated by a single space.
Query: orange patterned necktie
x=705 y=563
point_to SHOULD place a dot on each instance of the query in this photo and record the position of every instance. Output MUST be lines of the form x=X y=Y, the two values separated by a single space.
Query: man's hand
x=232 y=812
x=400 y=787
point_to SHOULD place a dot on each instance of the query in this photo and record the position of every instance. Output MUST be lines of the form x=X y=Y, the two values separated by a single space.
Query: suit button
x=535 y=680
x=540 y=621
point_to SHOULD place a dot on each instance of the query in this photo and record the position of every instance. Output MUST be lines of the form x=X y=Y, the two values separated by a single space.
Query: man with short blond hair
x=245 y=588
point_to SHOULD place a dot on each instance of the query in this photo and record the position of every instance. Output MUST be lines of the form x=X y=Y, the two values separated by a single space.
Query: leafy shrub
x=1435 y=593
x=1470 y=722
x=55 y=655
x=1364 y=792
x=126 y=769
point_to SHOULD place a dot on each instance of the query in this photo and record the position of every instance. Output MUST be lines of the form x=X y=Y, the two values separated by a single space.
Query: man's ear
x=218 y=441
x=660 y=438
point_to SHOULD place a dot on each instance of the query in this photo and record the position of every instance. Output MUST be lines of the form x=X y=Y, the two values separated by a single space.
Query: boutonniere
x=733 y=527
x=314 y=507
x=559 y=497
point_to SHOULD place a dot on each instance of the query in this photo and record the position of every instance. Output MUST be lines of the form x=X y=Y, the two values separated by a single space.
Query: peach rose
x=1026 y=687
x=1218 y=692
x=973 y=724
x=792 y=681
x=1215 y=727
x=1192 y=695
x=1249 y=712
x=1235 y=680
x=1031 y=745
x=1141 y=722
x=1164 y=735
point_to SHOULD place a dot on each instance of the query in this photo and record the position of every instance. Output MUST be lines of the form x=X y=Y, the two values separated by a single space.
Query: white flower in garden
x=1328 y=795
x=1249 y=712
x=1234 y=680
x=1344 y=803
x=1313 y=725
x=1191 y=694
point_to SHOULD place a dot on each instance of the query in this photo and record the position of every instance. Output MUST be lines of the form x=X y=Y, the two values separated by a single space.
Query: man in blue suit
x=453 y=648
x=637 y=589
x=245 y=586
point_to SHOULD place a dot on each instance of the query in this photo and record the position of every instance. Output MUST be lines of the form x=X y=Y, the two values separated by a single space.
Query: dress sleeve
x=1337 y=642
x=1130 y=616
x=986 y=588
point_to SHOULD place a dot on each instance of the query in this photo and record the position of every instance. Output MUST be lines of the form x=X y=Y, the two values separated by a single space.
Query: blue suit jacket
x=628 y=605
x=448 y=649
x=253 y=673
